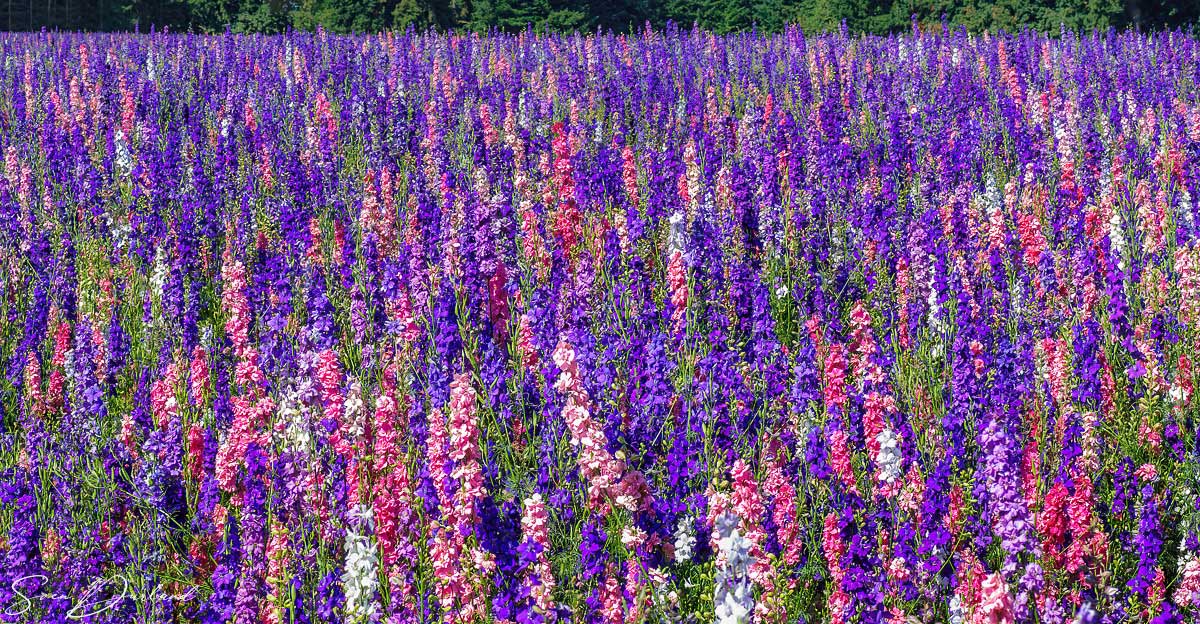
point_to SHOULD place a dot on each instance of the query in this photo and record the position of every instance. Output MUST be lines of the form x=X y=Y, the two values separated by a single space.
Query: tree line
x=723 y=16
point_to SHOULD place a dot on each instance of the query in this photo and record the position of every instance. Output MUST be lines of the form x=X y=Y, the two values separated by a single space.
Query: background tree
x=722 y=16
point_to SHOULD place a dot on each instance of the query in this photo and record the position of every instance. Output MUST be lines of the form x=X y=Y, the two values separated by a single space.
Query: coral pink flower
x=198 y=376
x=324 y=116
x=100 y=350
x=369 y=214
x=637 y=598
x=400 y=311
x=718 y=505
x=954 y=517
x=1052 y=521
x=435 y=452
x=1184 y=385
x=1033 y=240
x=249 y=420
x=1057 y=365
x=876 y=408
x=450 y=586
x=1031 y=462
x=568 y=220
x=677 y=284
x=534 y=246
x=56 y=384
x=834 y=377
x=839 y=459
x=195 y=452
x=783 y=511
x=393 y=505
x=490 y=134
x=128 y=108
x=1079 y=513
x=749 y=508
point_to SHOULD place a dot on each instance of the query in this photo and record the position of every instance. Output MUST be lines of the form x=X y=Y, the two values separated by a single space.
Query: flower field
x=664 y=327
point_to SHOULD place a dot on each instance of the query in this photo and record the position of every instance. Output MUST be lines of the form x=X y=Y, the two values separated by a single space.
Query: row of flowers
x=596 y=328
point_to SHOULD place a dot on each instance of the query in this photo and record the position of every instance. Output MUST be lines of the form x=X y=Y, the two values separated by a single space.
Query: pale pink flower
x=234 y=302
x=277 y=567
x=525 y=346
x=463 y=449
x=535 y=529
x=1187 y=592
x=862 y=347
x=329 y=382
x=612 y=602
x=198 y=375
x=607 y=476
x=34 y=404
x=996 y=603
x=832 y=546
x=163 y=402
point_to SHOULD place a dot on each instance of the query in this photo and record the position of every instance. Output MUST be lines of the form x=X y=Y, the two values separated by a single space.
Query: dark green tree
x=722 y=16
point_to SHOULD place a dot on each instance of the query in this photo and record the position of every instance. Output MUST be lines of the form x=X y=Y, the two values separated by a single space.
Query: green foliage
x=268 y=16
x=721 y=16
